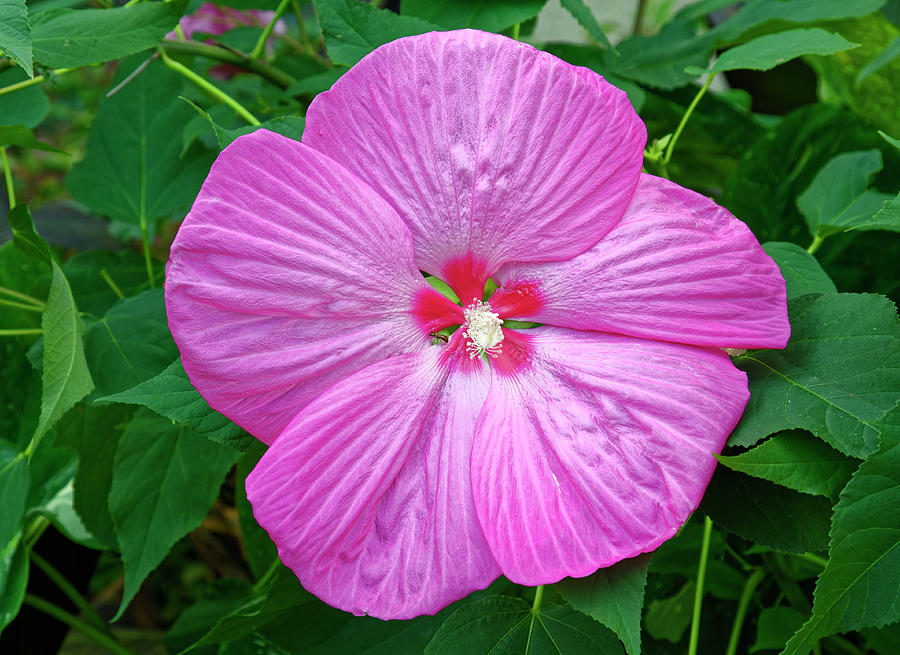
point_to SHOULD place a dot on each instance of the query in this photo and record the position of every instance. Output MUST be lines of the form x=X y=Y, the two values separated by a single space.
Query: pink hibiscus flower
x=404 y=472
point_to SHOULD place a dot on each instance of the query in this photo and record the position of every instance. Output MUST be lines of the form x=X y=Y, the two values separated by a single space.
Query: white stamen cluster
x=482 y=329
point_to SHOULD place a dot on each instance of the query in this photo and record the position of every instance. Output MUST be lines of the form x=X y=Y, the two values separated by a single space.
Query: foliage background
x=122 y=510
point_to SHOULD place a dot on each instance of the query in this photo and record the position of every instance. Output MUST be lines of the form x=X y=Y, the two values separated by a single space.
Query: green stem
x=275 y=75
x=538 y=599
x=639 y=17
x=273 y=568
x=515 y=33
x=40 y=523
x=744 y=564
x=10 y=191
x=701 y=580
x=815 y=559
x=213 y=91
x=71 y=593
x=37 y=79
x=670 y=147
x=257 y=51
x=743 y=604
x=814 y=246
x=19 y=332
x=21 y=296
x=113 y=285
x=20 y=305
x=77 y=624
x=304 y=35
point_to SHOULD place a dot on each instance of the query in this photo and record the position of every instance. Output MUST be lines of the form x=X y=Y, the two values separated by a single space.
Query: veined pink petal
x=367 y=493
x=288 y=274
x=596 y=448
x=677 y=267
x=485 y=146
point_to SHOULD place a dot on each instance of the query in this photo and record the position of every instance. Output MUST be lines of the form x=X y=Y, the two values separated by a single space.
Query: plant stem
x=257 y=51
x=21 y=296
x=71 y=592
x=670 y=147
x=743 y=604
x=213 y=91
x=639 y=17
x=39 y=524
x=19 y=332
x=37 y=79
x=515 y=33
x=20 y=305
x=815 y=559
x=814 y=246
x=77 y=624
x=275 y=75
x=304 y=35
x=112 y=284
x=701 y=580
x=10 y=191
x=538 y=599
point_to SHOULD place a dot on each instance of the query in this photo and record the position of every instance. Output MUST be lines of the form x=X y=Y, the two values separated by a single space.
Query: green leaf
x=64 y=372
x=172 y=395
x=668 y=618
x=15 y=33
x=839 y=373
x=26 y=106
x=132 y=171
x=775 y=626
x=886 y=218
x=660 y=60
x=487 y=15
x=289 y=126
x=768 y=15
x=772 y=50
x=838 y=198
x=258 y=547
x=13 y=490
x=100 y=278
x=614 y=596
x=501 y=625
x=25 y=237
x=13 y=580
x=65 y=38
x=767 y=513
x=585 y=17
x=858 y=588
x=130 y=344
x=353 y=29
x=94 y=434
x=801 y=271
x=19 y=135
x=165 y=478
x=797 y=460
x=885 y=57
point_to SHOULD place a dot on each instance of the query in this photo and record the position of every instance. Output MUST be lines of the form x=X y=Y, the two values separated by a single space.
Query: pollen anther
x=482 y=329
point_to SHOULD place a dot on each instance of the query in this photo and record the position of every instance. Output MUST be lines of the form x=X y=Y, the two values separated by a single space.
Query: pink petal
x=677 y=267
x=597 y=448
x=486 y=147
x=288 y=274
x=367 y=493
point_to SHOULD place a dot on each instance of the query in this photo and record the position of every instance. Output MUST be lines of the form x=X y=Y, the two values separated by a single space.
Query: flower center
x=482 y=329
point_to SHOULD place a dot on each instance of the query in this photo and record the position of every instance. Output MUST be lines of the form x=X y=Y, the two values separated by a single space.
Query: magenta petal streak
x=677 y=267
x=368 y=495
x=486 y=147
x=597 y=449
x=287 y=275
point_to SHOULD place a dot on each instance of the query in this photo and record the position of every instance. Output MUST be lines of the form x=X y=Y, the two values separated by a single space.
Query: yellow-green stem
x=21 y=296
x=77 y=624
x=814 y=246
x=19 y=332
x=260 y=46
x=10 y=191
x=670 y=147
x=698 y=592
x=815 y=559
x=515 y=32
x=208 y=88
x=743 y=604
x=538 y=598
x=113 y=285
x=71 y=593
x=20 y=305
x=37 y=79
